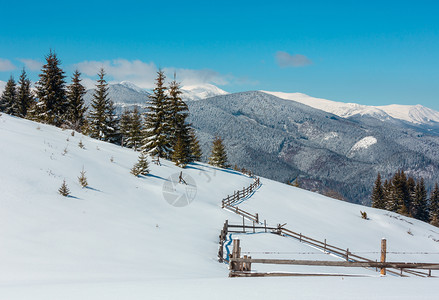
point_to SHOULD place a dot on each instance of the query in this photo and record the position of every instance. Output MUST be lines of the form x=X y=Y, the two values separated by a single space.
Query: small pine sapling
x=112 y=159
x=141 y=167
x=83 y=179
x=64 y=190
x=80 y=144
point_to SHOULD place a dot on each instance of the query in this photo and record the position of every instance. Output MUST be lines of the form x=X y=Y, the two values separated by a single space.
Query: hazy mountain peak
x=132 y=86
x=201 y=91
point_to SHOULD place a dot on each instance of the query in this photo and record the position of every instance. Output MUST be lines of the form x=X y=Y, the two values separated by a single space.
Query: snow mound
x=364 y=143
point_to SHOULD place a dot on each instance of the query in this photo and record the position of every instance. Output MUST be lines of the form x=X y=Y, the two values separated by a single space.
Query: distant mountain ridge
x=416 y=114
x=126 y=94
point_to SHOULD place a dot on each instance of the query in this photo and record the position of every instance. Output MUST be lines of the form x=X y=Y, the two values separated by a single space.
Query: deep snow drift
x=121 y=239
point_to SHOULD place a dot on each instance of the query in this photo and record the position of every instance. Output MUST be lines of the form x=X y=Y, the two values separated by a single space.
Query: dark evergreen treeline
x=407 y=196
x=162 y=132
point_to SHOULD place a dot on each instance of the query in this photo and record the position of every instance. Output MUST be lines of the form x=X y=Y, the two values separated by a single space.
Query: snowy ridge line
x=237 y=197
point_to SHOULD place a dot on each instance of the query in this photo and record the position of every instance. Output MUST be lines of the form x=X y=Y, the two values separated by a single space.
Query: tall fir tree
x=156 y=141
x=434 y=206
x=195 y=148
x=102 y=117
x=124 y=126
x=113 y=135
x=77 y=108
x=401 y=193
x=378 y=199
x=179 y=155
x=25 y=98
x=179 y=127
x=8 y=99
x=218 y=156
x=134 y=138
x=390 y=196
x=52 y=104
x=419 y=208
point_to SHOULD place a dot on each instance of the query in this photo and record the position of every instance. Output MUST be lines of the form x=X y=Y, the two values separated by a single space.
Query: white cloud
x=140 y=73
x=143 y=74
x=6 y=65
x=285 y=60
x=195 y=77
x=31 y=64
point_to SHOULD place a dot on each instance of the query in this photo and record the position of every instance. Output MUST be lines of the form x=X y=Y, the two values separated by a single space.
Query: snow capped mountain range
x=416 y=114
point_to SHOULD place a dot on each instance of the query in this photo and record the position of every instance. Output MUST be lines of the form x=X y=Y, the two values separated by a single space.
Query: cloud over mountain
x=285 y=60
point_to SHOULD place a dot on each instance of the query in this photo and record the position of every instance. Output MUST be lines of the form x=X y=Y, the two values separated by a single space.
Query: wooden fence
x=229 y=203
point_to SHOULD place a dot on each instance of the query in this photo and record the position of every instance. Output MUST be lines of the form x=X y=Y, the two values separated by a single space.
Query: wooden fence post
x=234 y=266
x=265 y=225
x=383 y=254
x=324 y=247
x=243 y=224
x=347 y=254
x=257 y=218
x=253 y=226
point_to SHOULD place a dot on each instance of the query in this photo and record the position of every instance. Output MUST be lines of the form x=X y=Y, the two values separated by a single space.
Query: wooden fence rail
x=229 y=201
x=362 y=264
x=242 y=266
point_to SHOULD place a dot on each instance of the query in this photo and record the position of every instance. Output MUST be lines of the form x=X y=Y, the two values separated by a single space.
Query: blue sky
x=369 y=52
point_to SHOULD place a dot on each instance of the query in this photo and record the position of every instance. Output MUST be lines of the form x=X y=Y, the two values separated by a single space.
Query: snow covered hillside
x=121 y=239
x=416 y=114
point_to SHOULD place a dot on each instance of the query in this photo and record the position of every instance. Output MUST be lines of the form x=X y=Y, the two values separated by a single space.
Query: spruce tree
x=218 y=156
x=420 y=202
x=434 y=206
x=52 y=106
x=135 y=132
x=131 y=128
x=124 y=126
x=179 y=154
x=64 y=190
x=77 y=108
x=195 y=148
x=83 y=179
x=113 y=132
x=8 y=99
x=141 y=167
x=102 y=118
x=389 y=196
x=401 y=193
x=180 y=129
x=156 y=141
x=25 y=98
x=378 y=200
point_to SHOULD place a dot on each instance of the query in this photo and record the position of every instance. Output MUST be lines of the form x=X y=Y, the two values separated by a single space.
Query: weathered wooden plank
x=396 y=265
x=282 y=274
